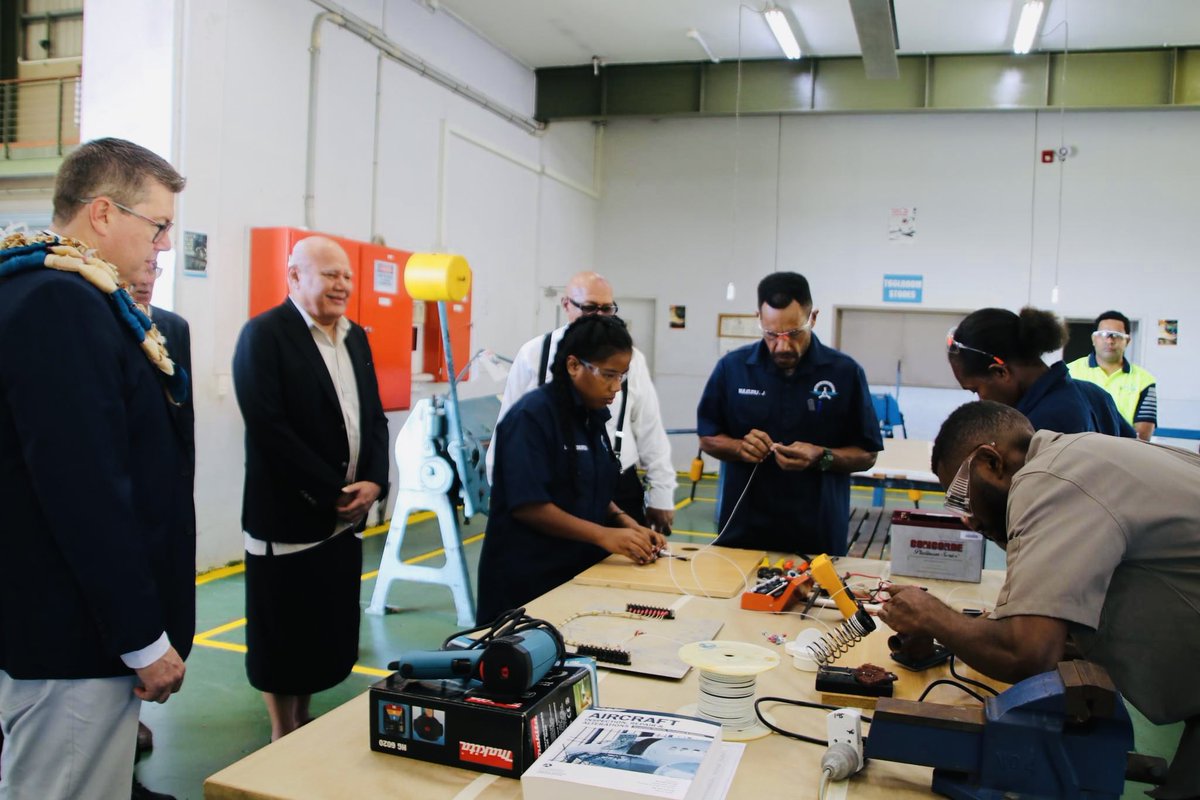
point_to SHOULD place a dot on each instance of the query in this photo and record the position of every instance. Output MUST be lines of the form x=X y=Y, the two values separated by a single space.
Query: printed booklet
x=623 y=753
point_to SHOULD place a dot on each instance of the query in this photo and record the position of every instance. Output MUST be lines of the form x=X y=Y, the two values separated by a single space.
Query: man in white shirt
x=635 y=429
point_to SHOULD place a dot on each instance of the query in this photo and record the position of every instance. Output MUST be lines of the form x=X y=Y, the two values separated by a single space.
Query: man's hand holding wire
x=755 y=446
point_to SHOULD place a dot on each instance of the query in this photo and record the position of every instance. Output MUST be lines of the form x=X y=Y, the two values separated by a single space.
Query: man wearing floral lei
x=97 y=544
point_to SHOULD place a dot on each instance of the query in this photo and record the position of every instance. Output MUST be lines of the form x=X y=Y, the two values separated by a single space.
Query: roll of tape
x=437 y=276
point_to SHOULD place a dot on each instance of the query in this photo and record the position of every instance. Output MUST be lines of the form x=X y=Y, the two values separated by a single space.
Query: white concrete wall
x=678 y=208
x=690 y=205
x=450 y=175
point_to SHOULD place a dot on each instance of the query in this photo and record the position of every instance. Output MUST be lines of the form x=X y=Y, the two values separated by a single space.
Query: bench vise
x=1061 y=734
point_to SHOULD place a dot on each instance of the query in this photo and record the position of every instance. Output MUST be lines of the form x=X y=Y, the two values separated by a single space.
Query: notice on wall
x=1168 y=332
x=678 y=317
x=195 y=254
x=903 y=288
x=902 y=225
x=386 y=281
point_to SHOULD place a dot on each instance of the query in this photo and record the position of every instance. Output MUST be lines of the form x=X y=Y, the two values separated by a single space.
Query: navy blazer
x=97 y=545
x=296 y=448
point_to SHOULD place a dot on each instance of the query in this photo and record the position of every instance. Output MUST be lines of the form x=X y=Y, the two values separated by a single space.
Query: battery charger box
x=926 y=544
x=455 y=722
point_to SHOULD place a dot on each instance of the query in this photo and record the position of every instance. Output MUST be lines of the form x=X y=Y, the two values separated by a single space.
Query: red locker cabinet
x=385 y=314
x=460 y=338
x=385 y=311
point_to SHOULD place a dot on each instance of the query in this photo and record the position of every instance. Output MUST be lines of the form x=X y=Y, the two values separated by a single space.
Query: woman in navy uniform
x=552 y=514
x=998 y=355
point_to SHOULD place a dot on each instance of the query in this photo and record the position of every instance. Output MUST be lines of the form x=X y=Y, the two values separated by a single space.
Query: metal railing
x=39 y=118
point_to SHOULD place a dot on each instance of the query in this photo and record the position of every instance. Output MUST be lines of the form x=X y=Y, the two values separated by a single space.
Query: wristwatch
x=826 y=460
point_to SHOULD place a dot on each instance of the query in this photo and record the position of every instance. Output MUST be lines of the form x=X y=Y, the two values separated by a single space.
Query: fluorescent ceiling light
x=783 y=31
x=1027 y=26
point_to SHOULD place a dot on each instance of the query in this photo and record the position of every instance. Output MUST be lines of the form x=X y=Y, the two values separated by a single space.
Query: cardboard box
x=928 y=544
x=456 y=723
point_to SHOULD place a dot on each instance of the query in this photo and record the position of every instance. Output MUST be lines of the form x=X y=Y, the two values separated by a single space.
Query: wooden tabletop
x=331 y=758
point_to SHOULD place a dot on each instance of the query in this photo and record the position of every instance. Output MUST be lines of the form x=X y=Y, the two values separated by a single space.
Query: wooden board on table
x=653 y=644
x=709 y=572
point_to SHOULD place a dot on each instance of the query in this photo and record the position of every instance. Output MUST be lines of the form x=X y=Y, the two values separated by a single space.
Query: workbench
x=330 y=757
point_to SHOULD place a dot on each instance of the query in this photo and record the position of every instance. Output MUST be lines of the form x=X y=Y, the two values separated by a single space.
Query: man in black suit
x=316 y=459
x=97 y=552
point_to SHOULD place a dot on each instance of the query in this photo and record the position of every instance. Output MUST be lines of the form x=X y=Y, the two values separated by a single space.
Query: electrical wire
x=971 y=681
x=955 y=684
x=802 y=704
x=507 y=624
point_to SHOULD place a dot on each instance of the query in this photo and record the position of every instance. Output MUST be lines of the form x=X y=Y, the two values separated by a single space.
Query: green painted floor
x=217 y=718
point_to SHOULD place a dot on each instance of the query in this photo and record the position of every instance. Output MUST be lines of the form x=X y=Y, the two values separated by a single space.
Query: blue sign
x=903 y=288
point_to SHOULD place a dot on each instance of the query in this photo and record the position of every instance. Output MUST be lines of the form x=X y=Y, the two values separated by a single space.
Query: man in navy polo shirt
x=792 y=418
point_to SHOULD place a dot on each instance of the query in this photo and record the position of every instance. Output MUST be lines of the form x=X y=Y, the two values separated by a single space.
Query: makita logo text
x=489 y=756
x=921 y=544
x=752 y=392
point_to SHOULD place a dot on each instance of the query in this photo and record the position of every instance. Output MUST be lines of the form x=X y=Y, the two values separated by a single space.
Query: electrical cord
x=955 y=684
x=971 y=681
x=507 y=624
x=803 y=704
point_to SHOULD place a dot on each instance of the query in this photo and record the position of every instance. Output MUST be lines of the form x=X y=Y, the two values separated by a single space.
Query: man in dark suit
x=179 y=342
x=97 y=552
x=316 y=460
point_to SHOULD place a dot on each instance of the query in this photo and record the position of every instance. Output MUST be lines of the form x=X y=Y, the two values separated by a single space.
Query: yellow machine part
x=827 y=578
x=437 y=276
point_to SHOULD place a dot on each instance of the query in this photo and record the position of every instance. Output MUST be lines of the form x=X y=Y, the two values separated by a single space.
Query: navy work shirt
x=1057 y=402
x=533 y=466
x=826 y=401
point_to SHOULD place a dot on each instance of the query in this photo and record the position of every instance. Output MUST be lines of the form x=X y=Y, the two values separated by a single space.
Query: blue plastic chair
x=890 y=417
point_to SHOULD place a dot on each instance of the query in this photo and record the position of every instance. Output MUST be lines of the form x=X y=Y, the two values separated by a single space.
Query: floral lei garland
x=21 y=252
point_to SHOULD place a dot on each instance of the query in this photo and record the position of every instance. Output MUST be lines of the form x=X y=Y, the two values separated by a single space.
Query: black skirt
x=302 y=616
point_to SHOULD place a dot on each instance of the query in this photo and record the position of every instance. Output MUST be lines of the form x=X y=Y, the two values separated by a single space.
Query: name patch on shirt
x=583 y=447
x=752 y=392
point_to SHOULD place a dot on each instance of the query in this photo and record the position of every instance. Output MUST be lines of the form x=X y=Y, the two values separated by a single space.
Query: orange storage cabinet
x=386 y=311
x=459 y=315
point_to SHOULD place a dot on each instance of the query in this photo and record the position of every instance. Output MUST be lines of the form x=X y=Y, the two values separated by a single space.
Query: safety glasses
x=958 y=493
x=1110 y=336
x=954 y=347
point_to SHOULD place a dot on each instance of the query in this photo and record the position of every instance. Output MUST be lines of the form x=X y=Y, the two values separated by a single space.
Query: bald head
x=320 y=279
x=588 y=293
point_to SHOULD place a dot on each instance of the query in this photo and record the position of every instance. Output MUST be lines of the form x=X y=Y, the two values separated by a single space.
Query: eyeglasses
x=958 y=493
x=608 y=375
x=1110 y=335
x=163 y=227
x=793 y=335
x=156 y=271
x=954 y=347
x=603 y=309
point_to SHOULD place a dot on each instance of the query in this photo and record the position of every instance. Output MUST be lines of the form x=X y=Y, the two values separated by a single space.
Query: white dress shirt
x=341 y=371
x=644 y=440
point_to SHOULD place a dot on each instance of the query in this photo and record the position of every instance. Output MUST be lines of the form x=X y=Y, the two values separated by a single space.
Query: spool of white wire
x=728 y=673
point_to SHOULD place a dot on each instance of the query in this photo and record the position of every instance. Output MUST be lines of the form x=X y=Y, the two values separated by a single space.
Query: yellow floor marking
x=228 y=626
x=425 y=556
x=687 y=501
x=708 y=534
x=230 y=646
x=218 y=573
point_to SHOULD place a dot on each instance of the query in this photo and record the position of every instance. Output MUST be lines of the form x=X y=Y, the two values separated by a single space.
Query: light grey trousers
x=69 y=739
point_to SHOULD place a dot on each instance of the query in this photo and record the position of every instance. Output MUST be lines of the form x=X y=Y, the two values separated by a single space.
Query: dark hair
x=114 y=168
x=780 y=289
x=592 y=338
x=973 y=424
x=1011 y=337
x=1117 y=315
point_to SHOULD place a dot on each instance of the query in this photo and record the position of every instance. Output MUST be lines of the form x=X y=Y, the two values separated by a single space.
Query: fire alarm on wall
x=1047 y=156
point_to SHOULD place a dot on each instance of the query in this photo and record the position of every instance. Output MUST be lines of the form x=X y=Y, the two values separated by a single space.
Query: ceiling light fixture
x=782 y=28
x=694 y=35
x=1027 y=26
